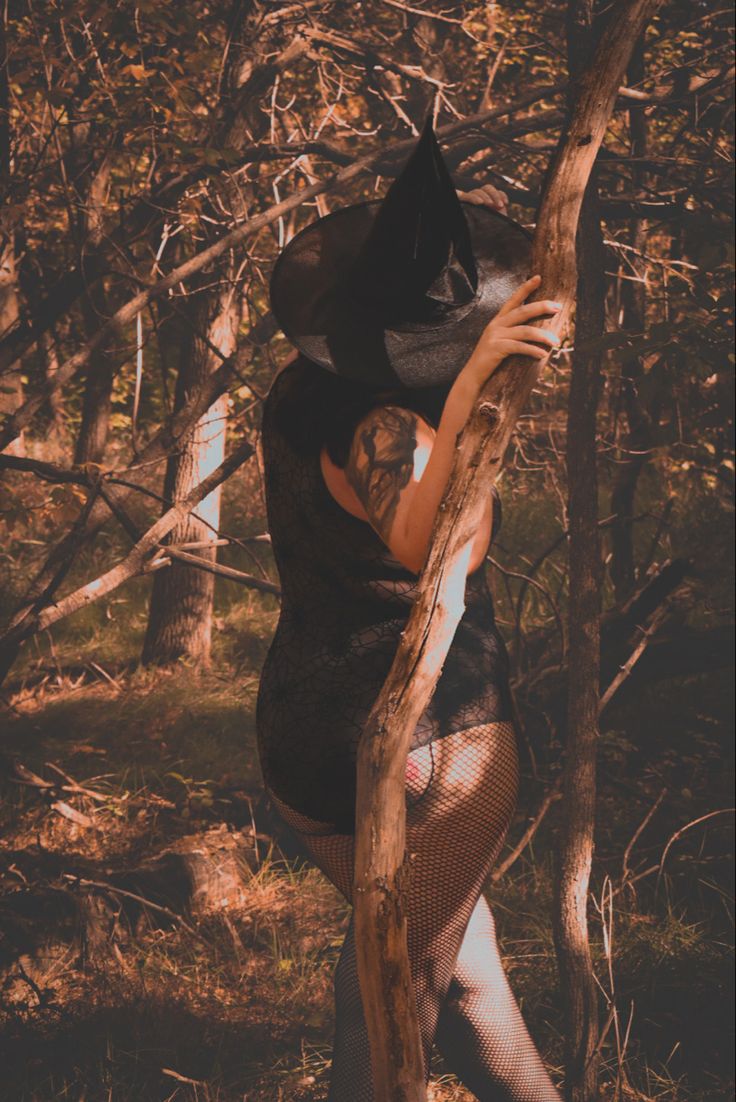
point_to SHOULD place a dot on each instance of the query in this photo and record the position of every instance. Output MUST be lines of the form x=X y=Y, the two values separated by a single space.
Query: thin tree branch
x=134 y=561
x=553 y=794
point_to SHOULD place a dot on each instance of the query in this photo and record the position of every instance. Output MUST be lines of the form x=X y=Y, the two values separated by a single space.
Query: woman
x=400 y=311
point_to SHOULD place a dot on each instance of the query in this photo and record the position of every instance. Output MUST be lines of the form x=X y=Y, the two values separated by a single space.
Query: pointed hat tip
x=428 y=133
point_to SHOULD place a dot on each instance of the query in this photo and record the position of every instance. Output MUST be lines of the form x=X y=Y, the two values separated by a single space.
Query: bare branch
x=553 y=794
x=248 y=580
x=134 y=562
x=633 y=658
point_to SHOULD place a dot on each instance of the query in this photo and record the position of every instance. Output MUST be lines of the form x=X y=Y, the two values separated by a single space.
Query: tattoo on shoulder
x=381 y=463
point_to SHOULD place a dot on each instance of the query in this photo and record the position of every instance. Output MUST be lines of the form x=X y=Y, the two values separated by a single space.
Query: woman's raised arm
x=399 y=467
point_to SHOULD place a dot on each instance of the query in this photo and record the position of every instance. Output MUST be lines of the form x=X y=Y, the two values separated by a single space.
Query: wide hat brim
x=312 y=303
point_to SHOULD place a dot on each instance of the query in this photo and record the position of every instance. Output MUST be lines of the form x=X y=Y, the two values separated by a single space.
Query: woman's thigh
x=454 y=834
x=460 y=797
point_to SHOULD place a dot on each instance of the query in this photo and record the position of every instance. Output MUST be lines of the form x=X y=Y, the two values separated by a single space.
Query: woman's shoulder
x=390 y=431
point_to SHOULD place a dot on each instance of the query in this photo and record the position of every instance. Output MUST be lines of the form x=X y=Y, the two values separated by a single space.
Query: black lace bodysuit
x=345 y=601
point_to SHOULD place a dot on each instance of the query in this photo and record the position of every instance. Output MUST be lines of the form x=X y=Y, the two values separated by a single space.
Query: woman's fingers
x=521 y=348
x=532 y=333
x=519 y=295
x=528 y=310
x=486 y=196
x=495 y=195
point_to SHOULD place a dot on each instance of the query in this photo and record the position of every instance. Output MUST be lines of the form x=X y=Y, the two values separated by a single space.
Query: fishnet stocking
x=461 y=793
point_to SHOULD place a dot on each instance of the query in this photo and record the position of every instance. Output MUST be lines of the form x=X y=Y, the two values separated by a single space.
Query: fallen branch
x=50 y=792
x=147 y=904
x=59 y=905
x=169 y=553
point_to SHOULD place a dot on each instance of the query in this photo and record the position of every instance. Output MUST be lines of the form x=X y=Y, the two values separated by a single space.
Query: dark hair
x=325 y=409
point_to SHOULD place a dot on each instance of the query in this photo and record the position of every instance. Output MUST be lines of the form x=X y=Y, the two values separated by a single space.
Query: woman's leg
x=481 y=1033
x=351 y=1078
x=461 y=792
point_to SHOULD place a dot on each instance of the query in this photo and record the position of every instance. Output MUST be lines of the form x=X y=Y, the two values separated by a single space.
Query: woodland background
x=158 y=937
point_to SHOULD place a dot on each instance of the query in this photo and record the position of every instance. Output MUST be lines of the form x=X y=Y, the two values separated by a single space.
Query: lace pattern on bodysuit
x=345 y=601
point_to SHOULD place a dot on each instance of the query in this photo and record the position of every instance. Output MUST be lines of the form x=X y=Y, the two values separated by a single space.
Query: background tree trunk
x=11 y=384
x=31 y=276
x=182 y=599
x=575 y=852
x=576 y=838
x=180 y=615
x=633 y=317
x=98 y=303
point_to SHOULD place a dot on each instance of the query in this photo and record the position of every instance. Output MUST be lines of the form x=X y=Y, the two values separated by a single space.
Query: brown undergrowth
x=229 y=999
x=115 y=991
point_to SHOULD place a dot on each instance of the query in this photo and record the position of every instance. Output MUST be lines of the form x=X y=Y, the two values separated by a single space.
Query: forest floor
x=232 y=999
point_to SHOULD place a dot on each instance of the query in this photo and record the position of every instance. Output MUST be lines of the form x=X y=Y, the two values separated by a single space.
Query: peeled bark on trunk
x=380 y=860
x=180 y=615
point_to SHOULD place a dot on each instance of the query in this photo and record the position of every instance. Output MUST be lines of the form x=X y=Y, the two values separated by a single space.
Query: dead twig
x=551 y=796
x=633 y=658
x=542 y=589
x=625 y=870
x=688 y=826
x=102 y=886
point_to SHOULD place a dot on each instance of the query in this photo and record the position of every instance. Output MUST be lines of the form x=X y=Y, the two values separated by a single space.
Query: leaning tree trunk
x=380 y=859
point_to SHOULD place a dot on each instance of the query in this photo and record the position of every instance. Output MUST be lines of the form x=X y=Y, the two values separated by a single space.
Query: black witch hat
x=398 y=291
